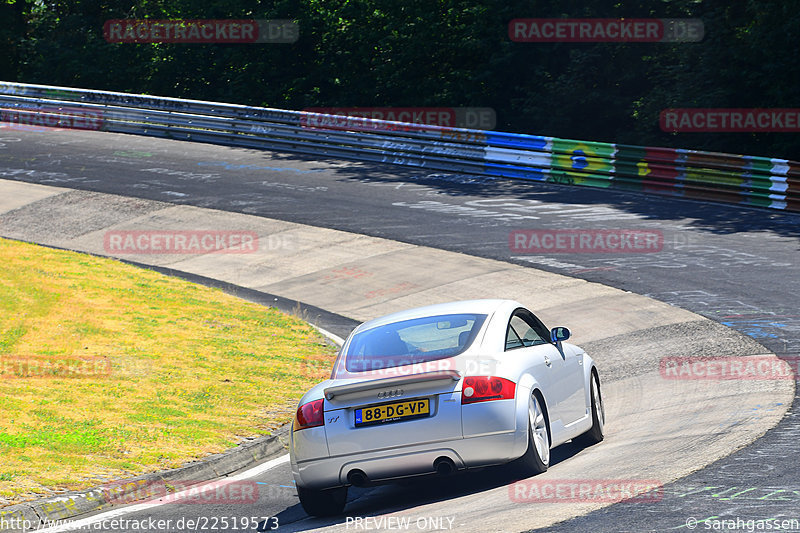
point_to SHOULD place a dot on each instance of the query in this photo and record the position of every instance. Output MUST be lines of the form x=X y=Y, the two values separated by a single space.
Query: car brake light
x=485 y=388
x=309 y=415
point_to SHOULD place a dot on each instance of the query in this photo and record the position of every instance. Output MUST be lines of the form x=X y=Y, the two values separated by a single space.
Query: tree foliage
x=451 y=53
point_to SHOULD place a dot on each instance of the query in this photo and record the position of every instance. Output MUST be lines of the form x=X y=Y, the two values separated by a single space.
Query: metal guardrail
x=745 y=180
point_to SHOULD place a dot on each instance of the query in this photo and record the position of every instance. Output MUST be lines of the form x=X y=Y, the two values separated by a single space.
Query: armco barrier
x=738 y=179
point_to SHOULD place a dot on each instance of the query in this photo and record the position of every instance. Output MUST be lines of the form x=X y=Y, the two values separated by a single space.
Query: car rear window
x=412 y=341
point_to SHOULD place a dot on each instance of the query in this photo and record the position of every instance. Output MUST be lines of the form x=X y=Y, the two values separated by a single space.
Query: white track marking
x=110 y=515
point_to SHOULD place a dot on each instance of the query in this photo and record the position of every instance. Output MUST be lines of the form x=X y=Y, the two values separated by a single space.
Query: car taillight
x=485 y=388
x=309 y=415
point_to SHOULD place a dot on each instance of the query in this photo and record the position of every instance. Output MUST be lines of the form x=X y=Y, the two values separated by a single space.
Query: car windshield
x=412 y=341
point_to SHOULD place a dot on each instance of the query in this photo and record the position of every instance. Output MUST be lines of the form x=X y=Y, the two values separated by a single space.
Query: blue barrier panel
x=517 y=140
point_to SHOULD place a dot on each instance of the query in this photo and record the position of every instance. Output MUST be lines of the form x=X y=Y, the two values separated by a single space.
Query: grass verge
x=108 y=370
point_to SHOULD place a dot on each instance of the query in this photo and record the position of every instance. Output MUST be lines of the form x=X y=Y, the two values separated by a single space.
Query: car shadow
x=399 y=496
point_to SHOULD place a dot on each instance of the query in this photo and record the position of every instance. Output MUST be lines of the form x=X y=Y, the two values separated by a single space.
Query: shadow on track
x=720 y=218
x=402 y=495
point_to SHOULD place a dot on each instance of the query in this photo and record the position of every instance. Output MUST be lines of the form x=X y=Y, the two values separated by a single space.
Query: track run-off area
x=361 y=240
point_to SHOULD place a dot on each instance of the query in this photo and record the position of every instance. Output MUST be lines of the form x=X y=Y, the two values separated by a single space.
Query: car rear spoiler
x=350 y=388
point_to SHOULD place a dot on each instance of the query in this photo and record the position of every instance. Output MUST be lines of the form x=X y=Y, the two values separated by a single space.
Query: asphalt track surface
x=736 y=266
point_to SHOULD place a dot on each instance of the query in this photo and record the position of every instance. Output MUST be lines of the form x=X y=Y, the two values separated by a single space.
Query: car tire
x=537 y=457
x=326 y=502
x=596 y=433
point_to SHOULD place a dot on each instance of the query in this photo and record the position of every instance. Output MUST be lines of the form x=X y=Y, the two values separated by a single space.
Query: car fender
x=526 y=385
x=588 y=366
x=310 y=442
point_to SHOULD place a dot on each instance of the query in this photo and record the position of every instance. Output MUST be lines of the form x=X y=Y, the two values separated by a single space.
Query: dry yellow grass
x=109 y=370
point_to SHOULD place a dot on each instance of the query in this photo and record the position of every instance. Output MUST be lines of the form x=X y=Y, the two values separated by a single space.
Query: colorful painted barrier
x=736 y=179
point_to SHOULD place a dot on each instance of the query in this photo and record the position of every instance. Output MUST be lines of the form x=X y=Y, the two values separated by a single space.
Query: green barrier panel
x=582 y=161
x=631 y=161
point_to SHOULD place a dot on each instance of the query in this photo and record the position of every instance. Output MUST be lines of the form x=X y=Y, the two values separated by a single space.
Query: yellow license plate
x=392 y=412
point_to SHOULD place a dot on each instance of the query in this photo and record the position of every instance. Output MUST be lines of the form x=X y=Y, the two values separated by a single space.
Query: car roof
x=480 y=307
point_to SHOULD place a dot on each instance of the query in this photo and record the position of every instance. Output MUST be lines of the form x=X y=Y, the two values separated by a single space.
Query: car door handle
x=547 y=361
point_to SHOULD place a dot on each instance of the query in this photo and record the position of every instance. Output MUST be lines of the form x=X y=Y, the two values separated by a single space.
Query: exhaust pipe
x=357 y=478
x=444 y=466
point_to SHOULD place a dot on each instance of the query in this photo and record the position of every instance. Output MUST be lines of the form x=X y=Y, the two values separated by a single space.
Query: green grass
x=108 y=371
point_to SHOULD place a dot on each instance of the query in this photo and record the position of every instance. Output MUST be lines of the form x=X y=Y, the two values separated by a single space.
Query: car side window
x=538 y=327
x=513 y=340
x=521 y=333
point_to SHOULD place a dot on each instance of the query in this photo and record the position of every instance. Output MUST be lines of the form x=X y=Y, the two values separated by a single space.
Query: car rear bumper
x=405 y=461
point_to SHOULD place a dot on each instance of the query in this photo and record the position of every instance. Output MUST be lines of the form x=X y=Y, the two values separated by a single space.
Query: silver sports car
x=442 y=388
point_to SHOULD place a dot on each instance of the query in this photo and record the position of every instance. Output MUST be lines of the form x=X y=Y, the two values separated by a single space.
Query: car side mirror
x=559 y=334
